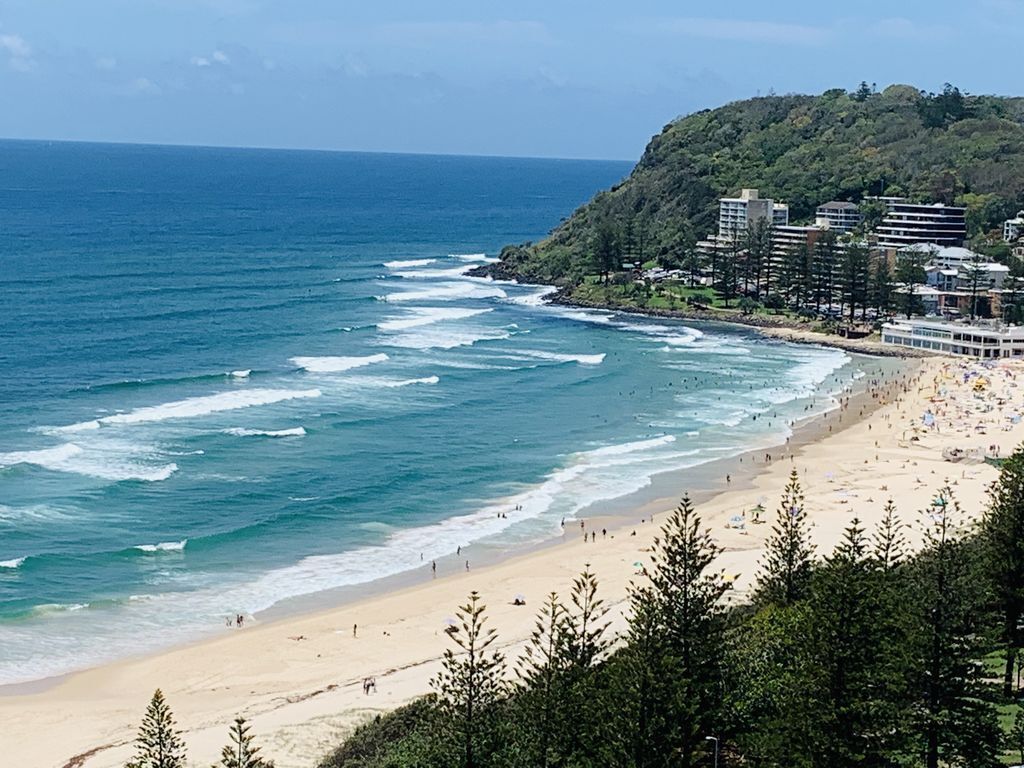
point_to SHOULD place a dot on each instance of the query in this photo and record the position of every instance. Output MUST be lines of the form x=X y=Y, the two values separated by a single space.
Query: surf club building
x=984 y=342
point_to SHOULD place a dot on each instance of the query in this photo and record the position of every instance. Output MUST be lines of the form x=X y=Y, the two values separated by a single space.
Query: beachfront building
x=1013 y=228
x=840 y=217
x=737 y=214
x=986 y=342
x=791 y=239
x=908 y=223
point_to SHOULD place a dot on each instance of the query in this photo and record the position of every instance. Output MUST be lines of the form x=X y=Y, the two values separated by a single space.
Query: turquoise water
x=230 y=378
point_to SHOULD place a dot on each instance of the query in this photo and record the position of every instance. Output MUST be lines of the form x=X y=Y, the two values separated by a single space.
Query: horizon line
x=257 y=148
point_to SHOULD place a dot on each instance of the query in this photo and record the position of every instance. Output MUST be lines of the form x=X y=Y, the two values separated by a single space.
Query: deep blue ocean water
x=232 y=377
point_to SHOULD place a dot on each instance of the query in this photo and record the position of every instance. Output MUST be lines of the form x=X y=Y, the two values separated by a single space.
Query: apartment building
x=737 y=214
x=1013 y=228
x=909 y=223
x=840 y=217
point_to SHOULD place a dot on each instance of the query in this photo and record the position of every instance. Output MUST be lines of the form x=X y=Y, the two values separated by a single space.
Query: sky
x=541 y=78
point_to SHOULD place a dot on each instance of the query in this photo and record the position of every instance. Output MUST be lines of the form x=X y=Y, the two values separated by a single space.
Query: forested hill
x=803 y=150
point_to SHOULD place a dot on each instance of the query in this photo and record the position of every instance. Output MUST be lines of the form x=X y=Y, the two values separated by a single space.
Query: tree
x=789 y=554
x=585 y=622
x=158 y=744
x=1011 y=305
x=951 y=720
x=857 y=642
x=240 y=752
x=856 y=260
x=542 y=672
x=748 y=305
x=1003 y=528
x=758 y=261
x=890 y=543
x=910 y=275
x=1016 y=735
x=728 y=270
x=471 y=682
x=862 y=92
x=973 y=275
x=881 y=285
x=607 y=248
x=824 y=269
x=694 y=262
x=674 y=670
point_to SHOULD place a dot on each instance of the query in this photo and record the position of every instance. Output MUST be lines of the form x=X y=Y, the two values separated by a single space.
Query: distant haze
x=527 y=78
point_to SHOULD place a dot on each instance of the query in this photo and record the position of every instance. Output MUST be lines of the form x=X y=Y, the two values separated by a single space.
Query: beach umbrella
x=450 y=621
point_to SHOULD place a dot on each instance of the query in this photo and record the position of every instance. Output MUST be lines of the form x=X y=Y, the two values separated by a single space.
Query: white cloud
x=217 y=57
x=744 y=30
x=19 y=53
x=143 y=86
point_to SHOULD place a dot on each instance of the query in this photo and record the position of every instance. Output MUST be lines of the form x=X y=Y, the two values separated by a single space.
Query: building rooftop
x=839 y=204
x=941 y=252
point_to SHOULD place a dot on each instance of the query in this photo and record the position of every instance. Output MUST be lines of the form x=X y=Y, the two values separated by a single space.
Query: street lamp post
x=714 y=739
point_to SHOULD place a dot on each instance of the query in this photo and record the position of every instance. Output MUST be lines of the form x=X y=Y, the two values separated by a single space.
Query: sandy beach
x=300 y=679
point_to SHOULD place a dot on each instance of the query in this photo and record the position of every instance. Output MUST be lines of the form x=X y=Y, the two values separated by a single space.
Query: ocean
x=233 y=378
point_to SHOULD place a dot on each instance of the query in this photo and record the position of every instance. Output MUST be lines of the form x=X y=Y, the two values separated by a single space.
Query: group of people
x=369 y=684
x=236 y=621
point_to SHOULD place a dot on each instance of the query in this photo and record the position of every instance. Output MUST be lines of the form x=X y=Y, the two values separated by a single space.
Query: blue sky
x=558 y=78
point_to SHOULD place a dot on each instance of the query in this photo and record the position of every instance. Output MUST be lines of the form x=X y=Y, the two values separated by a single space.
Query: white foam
x=557 y=357
x=445 y=338
x=69 y=457
x=336 y=364
x=241 y=432
x=639 y=445
x=408 y=263
x=197 y=406
x=410 y=382
x=47 y=608
x=433 y=274
x=244 y=374
x=15 y=563
x=163 y=546
x=448 y=291
x=535 y=299
x=474 y=257
x=604 y=473
x=416 y=317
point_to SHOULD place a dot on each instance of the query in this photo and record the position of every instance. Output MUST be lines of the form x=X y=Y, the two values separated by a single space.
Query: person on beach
x=433 y=567
x=355 y=630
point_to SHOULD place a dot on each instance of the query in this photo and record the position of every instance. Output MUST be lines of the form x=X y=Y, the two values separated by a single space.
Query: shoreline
x=703 y=482
x=269 y=673
x=772 y=326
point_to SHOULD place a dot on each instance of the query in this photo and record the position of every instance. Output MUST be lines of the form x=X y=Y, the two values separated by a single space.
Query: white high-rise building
x=737 y=214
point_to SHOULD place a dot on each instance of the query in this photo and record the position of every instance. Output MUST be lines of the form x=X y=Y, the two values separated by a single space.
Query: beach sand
x=299 y=679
